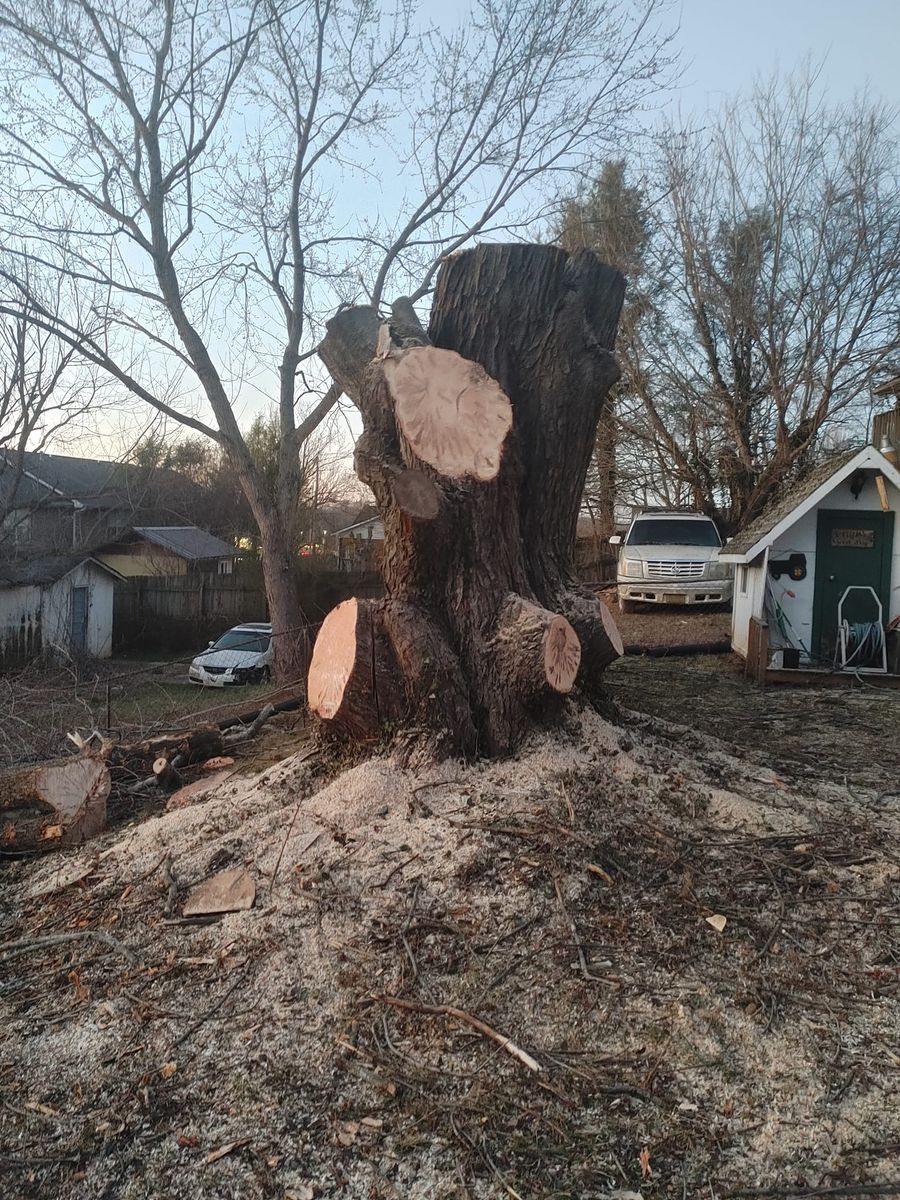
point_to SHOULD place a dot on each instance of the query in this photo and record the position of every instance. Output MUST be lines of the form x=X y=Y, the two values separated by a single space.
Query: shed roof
x=38 y=572
x=187 y=541
x=799 y=497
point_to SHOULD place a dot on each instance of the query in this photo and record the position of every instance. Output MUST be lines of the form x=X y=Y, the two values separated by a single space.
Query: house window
x=226 y=566
x=744 y=580
x=18 y=525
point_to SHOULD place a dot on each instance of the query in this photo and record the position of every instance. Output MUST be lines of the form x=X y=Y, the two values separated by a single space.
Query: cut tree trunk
x=53 y=804
x=476 y=441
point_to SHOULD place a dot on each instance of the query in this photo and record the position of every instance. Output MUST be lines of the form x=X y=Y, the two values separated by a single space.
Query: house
x=359 y=546
x=54 y=503
x=818 y=572
x=167 y=550
x=59 y=602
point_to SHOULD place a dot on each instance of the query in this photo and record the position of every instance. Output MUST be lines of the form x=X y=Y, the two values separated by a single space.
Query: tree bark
x=290 y=638
x=53 y=804
x=493 y=415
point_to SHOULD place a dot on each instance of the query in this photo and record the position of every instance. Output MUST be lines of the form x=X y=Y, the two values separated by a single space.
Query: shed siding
x=801 y=539
x=49 y=609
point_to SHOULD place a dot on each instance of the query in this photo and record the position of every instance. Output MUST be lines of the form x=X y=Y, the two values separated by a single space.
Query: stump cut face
x=562 y=655
x=454 y=416
x=334 y=656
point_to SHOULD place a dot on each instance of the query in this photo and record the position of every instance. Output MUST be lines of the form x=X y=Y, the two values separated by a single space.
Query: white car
x=242 y=655
x=671 y=558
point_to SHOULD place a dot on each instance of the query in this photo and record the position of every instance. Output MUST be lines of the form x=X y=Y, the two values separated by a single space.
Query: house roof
x=798 y=498
x=38 y=478
x=37 y=572
x=373 y=521
x=187 y=541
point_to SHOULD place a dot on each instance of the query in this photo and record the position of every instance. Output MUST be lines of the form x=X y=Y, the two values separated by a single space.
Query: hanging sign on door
x=859 y=539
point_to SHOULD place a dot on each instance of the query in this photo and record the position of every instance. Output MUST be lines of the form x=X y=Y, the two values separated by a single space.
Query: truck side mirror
x=615 y=540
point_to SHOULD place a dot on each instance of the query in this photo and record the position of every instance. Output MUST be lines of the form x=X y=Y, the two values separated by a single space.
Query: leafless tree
x=774 y=276
x=217 y=178
x=47 y=392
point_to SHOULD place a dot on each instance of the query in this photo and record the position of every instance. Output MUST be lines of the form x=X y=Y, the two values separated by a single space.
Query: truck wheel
x=626 y=606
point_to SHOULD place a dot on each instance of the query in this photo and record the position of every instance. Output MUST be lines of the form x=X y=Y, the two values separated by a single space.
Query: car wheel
x=626 y=606
x=265 y=675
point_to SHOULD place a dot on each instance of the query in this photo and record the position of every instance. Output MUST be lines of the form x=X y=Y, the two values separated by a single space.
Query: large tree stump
x=53 y=804
x=476 y=441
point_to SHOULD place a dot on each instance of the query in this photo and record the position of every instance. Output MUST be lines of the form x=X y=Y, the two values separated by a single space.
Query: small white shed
x=825 y=552
x=56 y=603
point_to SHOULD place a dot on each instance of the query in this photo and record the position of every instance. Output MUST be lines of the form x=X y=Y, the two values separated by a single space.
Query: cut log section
x=452 y=414
x=353 y=679
x=53 y=804
x=536 y=648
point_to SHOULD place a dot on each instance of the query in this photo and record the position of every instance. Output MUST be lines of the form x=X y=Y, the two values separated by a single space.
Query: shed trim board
x=867 y=457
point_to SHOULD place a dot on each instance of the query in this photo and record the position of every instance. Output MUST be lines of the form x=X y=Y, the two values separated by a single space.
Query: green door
x=853 y=548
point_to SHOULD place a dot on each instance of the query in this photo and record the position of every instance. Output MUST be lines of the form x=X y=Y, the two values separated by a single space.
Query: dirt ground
x=669 y=625
x=848 y=735
x=638 y=960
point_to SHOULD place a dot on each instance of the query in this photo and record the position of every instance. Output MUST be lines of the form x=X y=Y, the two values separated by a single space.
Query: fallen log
x=49 y=805
x=129 y=759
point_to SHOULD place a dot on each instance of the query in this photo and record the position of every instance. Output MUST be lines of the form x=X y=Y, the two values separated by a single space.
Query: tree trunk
x=291 y=640
x=53 y=804
x=476 y=441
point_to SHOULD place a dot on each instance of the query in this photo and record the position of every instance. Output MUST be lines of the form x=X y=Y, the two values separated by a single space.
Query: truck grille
x=674 y=569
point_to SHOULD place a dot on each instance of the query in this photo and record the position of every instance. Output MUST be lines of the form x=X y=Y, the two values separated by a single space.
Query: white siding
x=50 y=606
x=796 y=596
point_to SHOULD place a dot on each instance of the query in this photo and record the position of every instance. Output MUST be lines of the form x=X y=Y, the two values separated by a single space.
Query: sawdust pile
x=700 y=961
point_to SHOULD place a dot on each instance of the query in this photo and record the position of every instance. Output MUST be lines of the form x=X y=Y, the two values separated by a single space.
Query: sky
x=724 y=47
x=726 y=44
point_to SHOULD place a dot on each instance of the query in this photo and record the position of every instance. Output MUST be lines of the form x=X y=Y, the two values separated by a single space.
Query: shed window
x=226 y=566
x=744 y=579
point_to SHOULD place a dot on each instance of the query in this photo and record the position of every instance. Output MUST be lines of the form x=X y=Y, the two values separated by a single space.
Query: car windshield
x=243 y=639
x=650 y=532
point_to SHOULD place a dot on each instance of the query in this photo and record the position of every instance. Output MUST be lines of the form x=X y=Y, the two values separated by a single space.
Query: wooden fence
x=183 y=612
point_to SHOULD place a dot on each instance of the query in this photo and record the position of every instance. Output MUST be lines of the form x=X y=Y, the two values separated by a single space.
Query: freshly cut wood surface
x=536 y=648
x=612 y=630
x=333 y=660
x=562 y=655
x=228 y=891
x=454 y=416
x=57 y=803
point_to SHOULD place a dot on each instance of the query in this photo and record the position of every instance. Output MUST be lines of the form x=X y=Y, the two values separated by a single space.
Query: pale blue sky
x=725 y=44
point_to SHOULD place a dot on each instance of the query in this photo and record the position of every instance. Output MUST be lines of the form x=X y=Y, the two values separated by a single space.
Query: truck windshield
x=650 y=532
x=243 y=639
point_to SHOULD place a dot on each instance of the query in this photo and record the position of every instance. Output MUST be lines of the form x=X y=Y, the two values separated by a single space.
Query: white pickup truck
x=671 y=558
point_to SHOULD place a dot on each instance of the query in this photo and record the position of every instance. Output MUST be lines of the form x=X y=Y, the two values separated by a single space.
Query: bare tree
x=611 y=219
x=211 y=178
x=774 y=277
x=46 y=393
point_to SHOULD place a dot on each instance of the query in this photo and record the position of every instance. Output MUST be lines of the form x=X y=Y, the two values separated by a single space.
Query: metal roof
x=187 y=541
